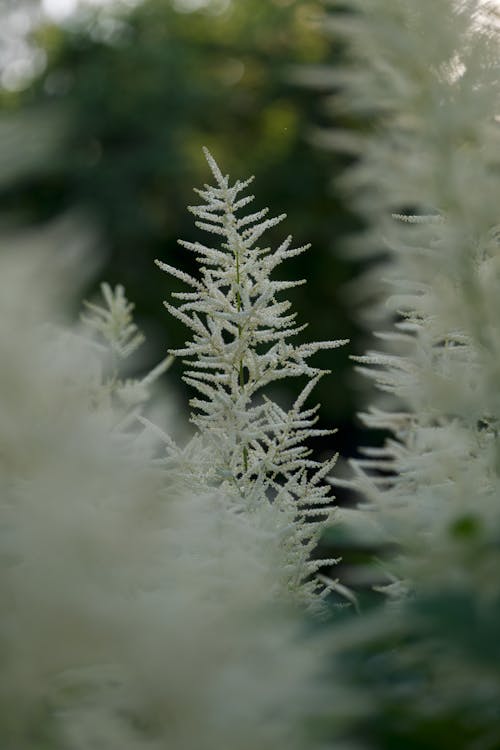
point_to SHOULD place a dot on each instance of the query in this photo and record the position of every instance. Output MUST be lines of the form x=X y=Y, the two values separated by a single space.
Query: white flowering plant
x=140 y=612
x=424 y=78
x=157 y=596
x=240 y=345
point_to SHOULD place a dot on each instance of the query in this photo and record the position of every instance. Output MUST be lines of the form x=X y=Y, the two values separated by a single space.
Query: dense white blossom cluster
x=422 y=82
x=136 y=615
x=427 y=180
x=240 y=344
x=150 y=591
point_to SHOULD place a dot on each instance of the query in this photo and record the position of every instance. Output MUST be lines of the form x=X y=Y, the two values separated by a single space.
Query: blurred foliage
x=429 y=676
x=423 y=669
x=139 y=93
x=114 y=125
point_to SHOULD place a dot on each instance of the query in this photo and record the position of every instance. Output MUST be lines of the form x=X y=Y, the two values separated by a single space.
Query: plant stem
x=240 y=367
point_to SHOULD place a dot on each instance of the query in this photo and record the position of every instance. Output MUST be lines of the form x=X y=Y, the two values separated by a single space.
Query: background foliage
x=124 y=103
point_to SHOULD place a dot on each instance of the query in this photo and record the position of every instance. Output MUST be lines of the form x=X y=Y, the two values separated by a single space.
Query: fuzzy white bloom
x=136 y=616
x=423 y=77
x=428 y=73
x=115 y=322
x=113 y=325
x=240 y=344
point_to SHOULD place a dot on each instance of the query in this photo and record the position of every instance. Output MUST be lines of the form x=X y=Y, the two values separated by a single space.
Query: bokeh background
x=105 y=108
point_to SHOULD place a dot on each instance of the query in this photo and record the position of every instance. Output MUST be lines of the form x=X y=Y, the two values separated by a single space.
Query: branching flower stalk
x=424 y=77
x=429 y=74
x=114 y=321
x=156 y=626
x=240 y=345
x=114 y=331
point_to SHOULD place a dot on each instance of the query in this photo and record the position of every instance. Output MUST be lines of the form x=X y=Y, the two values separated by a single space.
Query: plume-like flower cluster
x=114 y=331
x=240 y=344
x=136 y=616
x=426 y=178
x=114 y=323
x=427 y=181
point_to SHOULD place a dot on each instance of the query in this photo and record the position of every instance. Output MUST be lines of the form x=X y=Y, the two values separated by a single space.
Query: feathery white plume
x=240 y=344
x=136 y=616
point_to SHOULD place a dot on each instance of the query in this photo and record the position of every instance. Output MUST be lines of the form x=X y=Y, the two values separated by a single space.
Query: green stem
x=241 y=371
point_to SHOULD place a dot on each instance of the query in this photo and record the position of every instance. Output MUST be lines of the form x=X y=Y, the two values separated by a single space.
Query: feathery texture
x=425 y=76
x=114 y=323
x=427 y=181
x=136 y=617
x=115 y=333
x=241 y=344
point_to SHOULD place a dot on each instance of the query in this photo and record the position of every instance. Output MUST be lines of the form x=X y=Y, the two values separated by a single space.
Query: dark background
x=113 y=126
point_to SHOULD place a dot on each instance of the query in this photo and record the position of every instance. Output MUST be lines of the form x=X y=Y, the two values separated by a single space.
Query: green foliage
x=139 y=92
